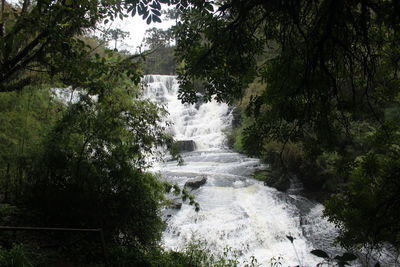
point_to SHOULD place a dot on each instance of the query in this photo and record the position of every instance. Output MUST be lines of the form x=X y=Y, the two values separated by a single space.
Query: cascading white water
x=202 y=124
x=236 y=210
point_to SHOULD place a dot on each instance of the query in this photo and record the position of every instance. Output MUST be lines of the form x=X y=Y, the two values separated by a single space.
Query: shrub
x=17 y=256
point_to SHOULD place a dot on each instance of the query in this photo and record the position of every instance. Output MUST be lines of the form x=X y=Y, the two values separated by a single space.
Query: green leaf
x=130 y=8
x=156 y=12
x=156 y=19
x=155 y=5
x=320 y=253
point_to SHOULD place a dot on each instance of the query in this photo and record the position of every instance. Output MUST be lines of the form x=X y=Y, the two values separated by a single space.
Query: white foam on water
x=202 y=124
x=235 y=210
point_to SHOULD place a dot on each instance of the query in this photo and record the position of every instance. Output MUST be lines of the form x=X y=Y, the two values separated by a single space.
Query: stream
x=236 y=211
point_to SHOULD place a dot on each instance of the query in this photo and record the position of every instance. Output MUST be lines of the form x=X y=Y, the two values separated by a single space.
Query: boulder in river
x=186 y=145
x=176 y=204
x=196 y=183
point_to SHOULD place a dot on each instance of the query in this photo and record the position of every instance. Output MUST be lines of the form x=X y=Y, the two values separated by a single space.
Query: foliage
x=42 y=36
x=176 y=190
x=372 y=189
x=116 y=34
x=161 y=56
x=17 y=256
x=328 y=83
x=319 y=80
x=85 y=156
x=91 y=168
x=338 y=260
x=160 y=61
x=196 y=254
x=220 y=66
x=235 y=134
x=25 y=119
x=273 y=178
x=275 y=262
x=155 y=38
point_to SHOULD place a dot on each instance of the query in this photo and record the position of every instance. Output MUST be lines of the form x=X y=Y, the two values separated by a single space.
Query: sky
x=136 y=27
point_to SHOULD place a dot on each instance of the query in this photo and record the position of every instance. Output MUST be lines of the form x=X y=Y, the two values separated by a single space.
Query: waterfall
x=200 y=123
x=236 y=210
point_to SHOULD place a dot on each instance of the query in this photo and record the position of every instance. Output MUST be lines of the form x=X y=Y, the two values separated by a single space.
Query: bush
x=17 y=256
x=89 y=173
x=196 y=254
x=372 y=189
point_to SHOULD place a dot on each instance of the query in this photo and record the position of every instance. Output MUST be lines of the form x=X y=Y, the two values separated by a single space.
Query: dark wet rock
x=295 y=187
x=161 y=99
x=186 y=145
x=236 y=117
x=196 y=183
x=176 y=204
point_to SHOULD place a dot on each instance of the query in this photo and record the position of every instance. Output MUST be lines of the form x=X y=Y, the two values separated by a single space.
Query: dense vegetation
x=74 y=139
x=74 y=136
x=160 y=58
x=322 y=84
x=316 y=85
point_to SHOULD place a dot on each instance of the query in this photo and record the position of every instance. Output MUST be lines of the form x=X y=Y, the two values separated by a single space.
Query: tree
x=25 y=119
x=86 y=159
x=82 y=163
x=329 y=71
x=161 y=58
x=158 y=38
x=171 y=14
x=117 y=34
x=373 y=190
x=92 y=168
x=36 y=32
x=302 y=36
